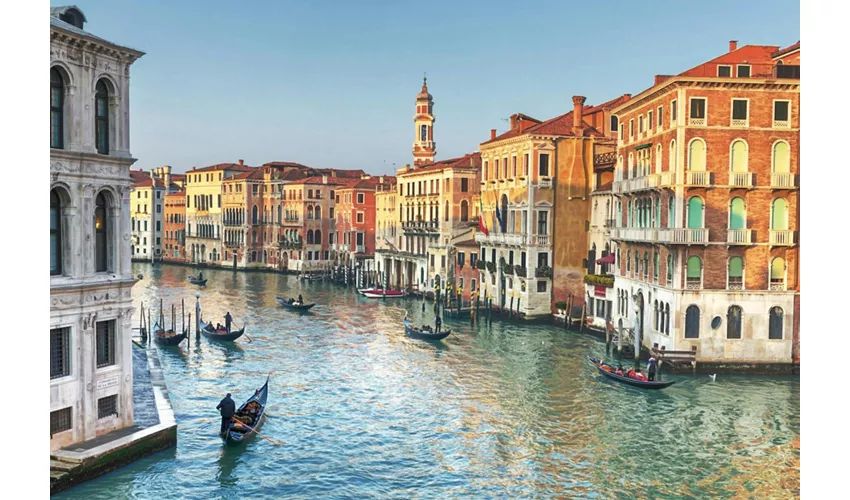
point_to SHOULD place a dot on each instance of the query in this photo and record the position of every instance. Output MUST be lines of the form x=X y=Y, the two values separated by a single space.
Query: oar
x=272 y=441
x=245 y=325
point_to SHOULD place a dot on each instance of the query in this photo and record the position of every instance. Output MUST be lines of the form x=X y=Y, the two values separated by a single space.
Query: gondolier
x=438 y=323
x=228 y=409
x=227 y=320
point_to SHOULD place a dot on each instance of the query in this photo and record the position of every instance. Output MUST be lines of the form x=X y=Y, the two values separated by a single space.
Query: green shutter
x=736 y=214
x=695 y=207
x=694 y=267
x=779 y=215
x=736 y=267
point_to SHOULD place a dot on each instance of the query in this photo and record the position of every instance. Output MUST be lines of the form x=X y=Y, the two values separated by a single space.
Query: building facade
x=707 y=183
x=174 y=227
x=600 y=295
x=147 y=201
x=91 y=370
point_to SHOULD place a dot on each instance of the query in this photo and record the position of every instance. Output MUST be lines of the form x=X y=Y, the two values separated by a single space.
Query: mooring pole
x=197 y=315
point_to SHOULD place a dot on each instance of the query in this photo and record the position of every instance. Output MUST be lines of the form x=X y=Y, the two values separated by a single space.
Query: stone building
x=147 y=200
x=91 y=372
x=708 y=214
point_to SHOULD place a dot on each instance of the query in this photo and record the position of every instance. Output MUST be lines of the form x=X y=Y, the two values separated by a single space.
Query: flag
x=481 y=226
x=499 y=218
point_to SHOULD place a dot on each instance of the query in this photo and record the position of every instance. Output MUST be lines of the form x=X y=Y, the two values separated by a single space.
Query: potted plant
x=561 y=306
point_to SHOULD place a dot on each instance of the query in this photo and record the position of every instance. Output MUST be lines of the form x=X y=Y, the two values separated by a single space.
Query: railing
x=685 y=236
x=781 y=124
x=735 y=283
x=782 y=181
x=740 y=122
x=521 y=272
x=543 y=272
x=635 y=233
x=741 y=179
x=360 y=249
x=739 y=236
x=696 y=122
x=781 y=238
x=693 y=283
x=698 y=178
x=667 y=179
x=481 y=264
x=544 y=182
x=541 y=239
x=610 y=222
x=515 y=239
x=777 y=284
x=491 y=266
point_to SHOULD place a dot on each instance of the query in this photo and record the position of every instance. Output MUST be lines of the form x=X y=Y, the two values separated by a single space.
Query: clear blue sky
x=333 y=83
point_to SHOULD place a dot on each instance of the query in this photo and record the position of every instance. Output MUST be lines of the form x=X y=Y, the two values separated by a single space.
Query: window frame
x=101 y=136
x=65 y=354
x=741 y=66
x=540 y=164
x=727 y=66
x=108 y=358
x=732 y=119
x=57 y=112
x=774 y=121
x=770 y=334
x=739 y=324
x=103 y=232
x=57 y=232
x=742 y=285
x=691 y=118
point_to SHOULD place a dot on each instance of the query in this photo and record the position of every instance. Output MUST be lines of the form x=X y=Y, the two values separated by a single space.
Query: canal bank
x=154 y=428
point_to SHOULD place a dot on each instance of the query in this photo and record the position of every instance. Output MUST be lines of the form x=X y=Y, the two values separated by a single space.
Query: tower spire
x=424 y=147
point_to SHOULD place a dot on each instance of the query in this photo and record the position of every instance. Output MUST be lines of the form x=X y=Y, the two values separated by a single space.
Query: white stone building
x=147 y=207
x=91 y=372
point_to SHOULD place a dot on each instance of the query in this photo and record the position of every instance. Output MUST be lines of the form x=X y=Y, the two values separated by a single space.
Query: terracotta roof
x=467 y=160
x=467 y=243
x=319 y=179
x=782 y=52
x=222 y=166
x=334 y=172
x=139 y=175
x=160 y=183
x=253 y=174
x=284 y=164
x=180 y=194
x=748 y=54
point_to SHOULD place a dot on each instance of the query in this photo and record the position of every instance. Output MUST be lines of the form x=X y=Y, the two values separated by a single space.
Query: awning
x=608 y=259
x=643 y=146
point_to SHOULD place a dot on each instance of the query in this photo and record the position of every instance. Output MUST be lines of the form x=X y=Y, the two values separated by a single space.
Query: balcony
x=544 y=182
x=777 y=284
x=520 y=271
x=697 y=122
x=515 y=239
x=741 y=179
x=648 y=234
x=698 y=179
x=666 y=179
x=543 y=272
x=540 y=239
x=420 y=227
x=783 y=181
x=491 y=239
x=781 y=238
x=683 y=236
x=735 y=283
x=693 y=283
x=781 y=124
x=739 y=237
x=738 y=122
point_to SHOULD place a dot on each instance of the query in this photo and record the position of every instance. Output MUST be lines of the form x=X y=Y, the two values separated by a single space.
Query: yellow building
x=535 y=192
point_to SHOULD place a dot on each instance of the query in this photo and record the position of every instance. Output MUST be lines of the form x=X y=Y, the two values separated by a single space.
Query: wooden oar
x=272 y=441
x=245 y=325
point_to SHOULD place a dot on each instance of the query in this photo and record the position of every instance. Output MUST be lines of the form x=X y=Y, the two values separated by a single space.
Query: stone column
x=72 y=119
x=125 y=345
x=88 y=361
x=86 y=229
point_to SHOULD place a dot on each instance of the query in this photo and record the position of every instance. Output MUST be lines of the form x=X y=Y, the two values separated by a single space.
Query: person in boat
x=619 y=370
x=640 y=376
x=651 y=370
x=228 y=319
x=631 y=373
x=228 y=408
x=201 y=276
x=438 y=323
x=300 y=300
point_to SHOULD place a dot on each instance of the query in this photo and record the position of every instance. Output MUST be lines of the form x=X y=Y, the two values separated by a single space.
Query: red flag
x=481 y=226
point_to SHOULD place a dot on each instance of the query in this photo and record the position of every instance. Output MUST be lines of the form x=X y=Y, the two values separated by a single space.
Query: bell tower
x=424 y=147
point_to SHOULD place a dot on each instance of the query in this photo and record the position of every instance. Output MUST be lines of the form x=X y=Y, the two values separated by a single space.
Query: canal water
x=501 y=411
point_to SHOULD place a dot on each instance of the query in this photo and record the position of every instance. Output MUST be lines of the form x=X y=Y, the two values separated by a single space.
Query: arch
x=102 y=116
x=628 y=260
x=673 y=157
x=658 y=157
x=738 y=156
x=779 y=215
x=318 y=213
x=669 y=269
x=631 y=166
x=775 y=320
x=777 y=273
x=734 y=319
x=317 y=237
x=64 y=72
x=309 y=236
x=255 y=215
x=102 y=230
x=781 y=158
x=735 y=273
x=692 y=314
x=309 y=211
x=696 y=212
x=57 y=109
x=56 y=233
x=655 y=319
x=619 y=173
x=504 y=214
x=696 y=155
x=694 y=272
x=737 y=214
x=667 y=318
x=464 y=211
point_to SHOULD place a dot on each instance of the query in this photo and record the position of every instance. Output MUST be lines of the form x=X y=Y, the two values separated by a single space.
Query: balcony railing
x=781 y=124
x=544 y=182
x=777 y=284
x=635 y=233
x=693 y=283
x=740 y=122
x=781 y=238
x=741 y=179
x=360 y=248
x=541 y=239
x=520 y=271
x=683 y=236
x=666 y=179
x=782 y=181
x=515 y=239
x=697 y=122
x=735 y=283
x=739 y=236
x=698 y=178
x=543 y=272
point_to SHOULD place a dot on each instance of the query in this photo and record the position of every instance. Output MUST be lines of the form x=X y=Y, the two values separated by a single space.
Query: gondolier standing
x=651 y=369
x=227 y=320
x=438 y=323
x=228 y=409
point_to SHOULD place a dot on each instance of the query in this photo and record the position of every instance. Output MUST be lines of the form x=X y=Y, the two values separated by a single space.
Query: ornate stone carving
x=58 y=166
x=88 y=190
x=126 y=236
x=89 y=320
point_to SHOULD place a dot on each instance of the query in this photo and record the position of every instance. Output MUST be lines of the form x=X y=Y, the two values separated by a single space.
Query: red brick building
x=355 y=213
x=707 y=184
x=174 y=227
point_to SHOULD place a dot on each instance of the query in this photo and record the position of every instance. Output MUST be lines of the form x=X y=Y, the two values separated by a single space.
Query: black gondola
x=425 y=332
x=198 y=282
x=169 y=337
x=626 y=380
x=249 y=417
x=294 y=305
x=210 y=332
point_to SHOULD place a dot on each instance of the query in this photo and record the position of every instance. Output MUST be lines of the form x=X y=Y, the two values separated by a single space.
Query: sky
x=332 y=83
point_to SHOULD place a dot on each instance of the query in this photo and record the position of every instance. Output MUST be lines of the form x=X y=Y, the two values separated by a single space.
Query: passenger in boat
x=201 y=276
x=438 y=323
x=651 y=369
x=640 y=376
x=631 y=373
x=228 y=409
x=300 y=300
x=228 y=319
x=291 y=300
x=619 y=370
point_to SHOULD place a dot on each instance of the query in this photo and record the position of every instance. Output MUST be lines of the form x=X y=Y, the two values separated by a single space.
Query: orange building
x=174 y=231
x=309 y=222
x=355 y=212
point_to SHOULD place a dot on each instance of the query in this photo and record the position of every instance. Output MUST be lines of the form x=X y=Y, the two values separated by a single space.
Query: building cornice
x=94 y=44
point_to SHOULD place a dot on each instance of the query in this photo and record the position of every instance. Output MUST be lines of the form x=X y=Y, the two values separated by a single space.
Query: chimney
x=324 y=179
x=522 y=125
x=241 y=163
x=514 y=120
x=492 y=134
x=166 y=173
x=578 y=110
x=733 y=45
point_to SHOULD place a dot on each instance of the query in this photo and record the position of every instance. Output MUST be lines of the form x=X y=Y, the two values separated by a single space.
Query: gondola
x=383 y=294
x=196 y=281
x=626 y=380
x=294 y=306
x=169 y=338
x=210 y=332
x=249 y=417
x=424 y=333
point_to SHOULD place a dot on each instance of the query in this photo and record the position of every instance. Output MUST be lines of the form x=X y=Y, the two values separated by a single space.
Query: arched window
x=671 y=163
x=733 y=322
x=671 y=211
x=779 y=215
x=736 y=274
x=656 y=265
x=777 y=316
x=619 y=260
x=658 y=159
x=55 y=233
x=669 y=269
x=692 y=322
x=423 y=133
x=777 y=274
x=101 y=244
x=645 y=265
x=464 y=211
x=309 y=211
x=695 y=212
x=57 y=106
x=667 y=319
x=255 y=215
x=781 y=158
x=446 y=215
x=317 y=237
x=310 y=237
x=694 y=279
x=101 y=118
x=737 y=214
x=631 y=171
x=504 y=214
x=279 y=212
x=614 y=124
x=738 y=156
x=628 y=261
x=619 y=174
x=318 y=213
x=655 y=318
x=696 y=156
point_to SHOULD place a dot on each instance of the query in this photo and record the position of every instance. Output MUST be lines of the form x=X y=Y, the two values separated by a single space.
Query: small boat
x=424 y=333
x=383 y=294
x=294 y=306
x=626 y=380
x=248 y=418
x=167 y=337
x=373 y=290
x=210 y=332
x=196 y=281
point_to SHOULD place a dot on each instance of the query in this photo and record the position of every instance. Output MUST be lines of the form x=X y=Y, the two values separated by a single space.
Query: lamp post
x=197 y=315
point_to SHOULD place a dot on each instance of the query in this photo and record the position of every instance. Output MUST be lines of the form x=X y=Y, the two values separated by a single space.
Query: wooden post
x=149 y=320
x=620 y=341
x=583 y=317
x=182 y=315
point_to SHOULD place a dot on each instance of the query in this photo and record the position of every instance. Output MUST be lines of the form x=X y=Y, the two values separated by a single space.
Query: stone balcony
x=698 y=179
x=661 y=235
x=781 y=237
x=739 y=236
x=783 y=181
x=741 y=179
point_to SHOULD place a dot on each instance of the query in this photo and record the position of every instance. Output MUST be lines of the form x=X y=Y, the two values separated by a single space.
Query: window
x=464 y=210
x=781 y=113
x=101 y=118
x=692 y=322
x=57 y=105
x=544 y=165
x=541 y=286
x=640 y=124
x=464 y=184
x=443 y=262
x=695 y=212
x=657 y=264
x=779 y=215
x=673 y=157
x=740 y=112
x=60 y=420
x=738 y=158
x=737 y=214
x=622 y=131
x=669 y=269
x=743 y=71
x=461 y=259
x=777 y=274
x=694 y=278
x=615 y=125
x=542 y=222
x=698 y=111
x=736 y=274
x=60 y=361
x=781 y=158
x=660 y=116
x=360 y=217
x=105 y=332
x=255 y=215
x=55 y=233
x=359 y=239
x=542 y=259
x=696 y=156
x=775 y=323
x=473 y=259
x=101 y=245
x=733 y=322
x=107 y=407
x=631 y=128
x=628 y=261
x=674 y=112
x=724 y=71
x=649 y=121
x=361 y=198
